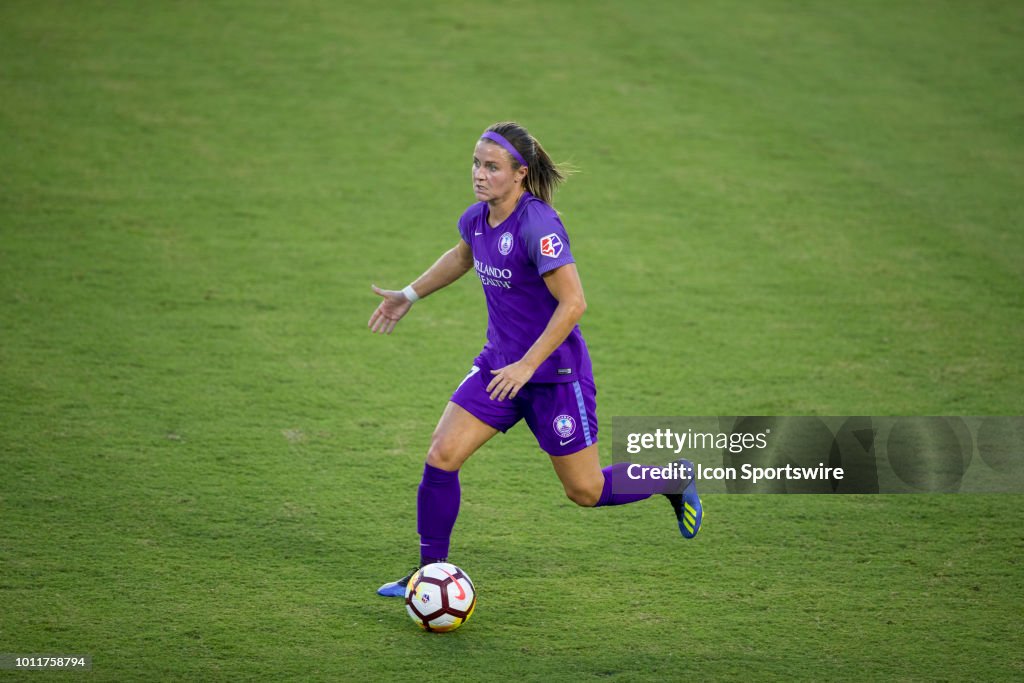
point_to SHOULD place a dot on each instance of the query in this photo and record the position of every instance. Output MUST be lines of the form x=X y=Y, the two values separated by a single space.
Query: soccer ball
x=440 y=597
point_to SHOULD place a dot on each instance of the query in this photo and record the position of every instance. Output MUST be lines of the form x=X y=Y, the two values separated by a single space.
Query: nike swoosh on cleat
x=462 y=591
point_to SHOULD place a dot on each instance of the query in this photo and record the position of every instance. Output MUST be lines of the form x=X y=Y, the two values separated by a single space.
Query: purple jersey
x=510 y=260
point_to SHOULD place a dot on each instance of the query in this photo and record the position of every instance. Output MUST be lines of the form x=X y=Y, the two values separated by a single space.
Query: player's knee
x=584 y=496
x=442 y=454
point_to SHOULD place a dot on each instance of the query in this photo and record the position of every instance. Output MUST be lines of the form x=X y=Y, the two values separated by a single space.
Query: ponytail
x=542 y=175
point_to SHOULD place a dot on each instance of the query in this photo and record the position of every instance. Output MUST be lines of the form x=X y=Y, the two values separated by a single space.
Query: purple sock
x=629 y=490
x=437 y=506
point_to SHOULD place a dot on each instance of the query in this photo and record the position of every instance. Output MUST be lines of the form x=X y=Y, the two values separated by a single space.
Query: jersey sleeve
x=546 y=240
x=464 y=226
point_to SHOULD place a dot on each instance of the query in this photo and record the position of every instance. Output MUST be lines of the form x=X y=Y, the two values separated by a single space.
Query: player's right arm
x=452 y=265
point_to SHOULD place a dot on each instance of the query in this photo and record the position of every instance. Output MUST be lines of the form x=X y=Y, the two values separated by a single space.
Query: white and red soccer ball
x=440 y=597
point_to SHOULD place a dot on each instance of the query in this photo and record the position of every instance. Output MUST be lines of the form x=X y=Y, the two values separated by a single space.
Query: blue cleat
x=689 y=511
x=395 y=589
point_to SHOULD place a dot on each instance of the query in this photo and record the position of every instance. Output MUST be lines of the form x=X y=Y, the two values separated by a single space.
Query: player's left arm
x=564 y=284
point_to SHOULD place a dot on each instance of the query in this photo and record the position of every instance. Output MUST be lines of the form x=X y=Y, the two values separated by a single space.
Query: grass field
x=783 y=208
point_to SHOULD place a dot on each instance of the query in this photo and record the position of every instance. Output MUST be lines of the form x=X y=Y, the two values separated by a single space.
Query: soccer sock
x=437 y=506
x=628 y=489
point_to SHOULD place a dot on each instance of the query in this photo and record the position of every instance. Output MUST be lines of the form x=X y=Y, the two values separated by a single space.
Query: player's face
x=493 y=177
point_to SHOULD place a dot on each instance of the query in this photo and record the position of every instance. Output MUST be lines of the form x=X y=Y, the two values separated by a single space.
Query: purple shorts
x=563 y=416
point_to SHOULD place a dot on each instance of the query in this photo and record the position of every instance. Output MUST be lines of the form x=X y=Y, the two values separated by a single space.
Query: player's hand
x=390 y=311
x=507 y=381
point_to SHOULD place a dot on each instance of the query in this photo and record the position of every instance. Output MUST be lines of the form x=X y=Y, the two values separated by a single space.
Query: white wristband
x=411 y=294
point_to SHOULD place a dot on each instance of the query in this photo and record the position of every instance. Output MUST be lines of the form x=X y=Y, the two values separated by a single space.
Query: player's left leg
x=687 y=505
x=563 y=417
x=581 y=476
x=587 y=484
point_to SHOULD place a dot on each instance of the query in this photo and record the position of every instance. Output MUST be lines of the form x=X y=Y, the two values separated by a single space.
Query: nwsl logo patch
x=551 y=245
x=505 y=244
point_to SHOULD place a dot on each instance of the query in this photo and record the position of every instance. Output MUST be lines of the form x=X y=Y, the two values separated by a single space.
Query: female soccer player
x=535 y=365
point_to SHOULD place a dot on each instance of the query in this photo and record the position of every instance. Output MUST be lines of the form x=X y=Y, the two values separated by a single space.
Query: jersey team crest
x=505 y=244
x=551 y=245
x=564 y=426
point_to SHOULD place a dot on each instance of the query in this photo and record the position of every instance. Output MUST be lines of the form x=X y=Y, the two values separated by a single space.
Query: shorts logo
x=472 y=372
x=551 y=245
x=505 y=244
x=564 y=426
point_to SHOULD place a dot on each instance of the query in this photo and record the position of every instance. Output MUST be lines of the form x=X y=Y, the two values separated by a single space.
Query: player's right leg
x=457 y=436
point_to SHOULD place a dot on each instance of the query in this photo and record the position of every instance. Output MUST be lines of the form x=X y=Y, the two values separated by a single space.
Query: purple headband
x=491 y=135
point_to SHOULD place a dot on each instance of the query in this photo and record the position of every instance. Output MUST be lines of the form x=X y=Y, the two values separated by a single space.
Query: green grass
x=784 y=208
